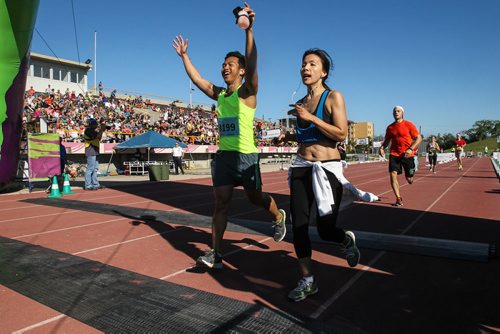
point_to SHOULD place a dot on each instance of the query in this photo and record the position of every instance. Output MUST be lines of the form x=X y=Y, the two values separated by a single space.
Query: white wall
x=52 y=70
x=40 y=84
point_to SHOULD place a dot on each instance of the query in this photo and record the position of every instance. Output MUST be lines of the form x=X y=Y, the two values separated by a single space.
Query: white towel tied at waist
x=321 y=185
x=322 y=188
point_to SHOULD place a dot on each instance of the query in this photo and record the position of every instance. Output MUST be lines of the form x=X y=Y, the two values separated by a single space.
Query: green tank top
x=235 y=121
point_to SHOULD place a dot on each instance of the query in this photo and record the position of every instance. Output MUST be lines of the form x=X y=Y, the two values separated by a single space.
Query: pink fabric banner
x=43 y=155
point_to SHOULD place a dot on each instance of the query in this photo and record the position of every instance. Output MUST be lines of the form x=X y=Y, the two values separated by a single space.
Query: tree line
x=480 y=130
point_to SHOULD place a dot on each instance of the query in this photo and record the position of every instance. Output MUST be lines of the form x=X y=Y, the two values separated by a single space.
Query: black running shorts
x=398 y=164
x=237 y=169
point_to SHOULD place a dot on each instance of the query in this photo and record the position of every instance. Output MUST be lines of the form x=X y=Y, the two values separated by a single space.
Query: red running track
x=386 y=293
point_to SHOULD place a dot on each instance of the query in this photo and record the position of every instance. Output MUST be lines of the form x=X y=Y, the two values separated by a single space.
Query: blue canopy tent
x=148 y=140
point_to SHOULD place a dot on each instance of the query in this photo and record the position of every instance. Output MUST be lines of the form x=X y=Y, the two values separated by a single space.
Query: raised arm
x=251 y=77
x=180 y=45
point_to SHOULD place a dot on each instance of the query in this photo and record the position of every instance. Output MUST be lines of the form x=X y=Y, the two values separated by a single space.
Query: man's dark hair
x=237 y=54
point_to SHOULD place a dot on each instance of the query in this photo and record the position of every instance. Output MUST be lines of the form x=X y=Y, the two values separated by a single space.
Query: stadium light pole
x=95 y=60
x=190 y=94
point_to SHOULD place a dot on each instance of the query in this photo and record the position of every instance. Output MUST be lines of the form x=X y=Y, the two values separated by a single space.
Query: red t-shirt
x=401 y=136
x=459 y=144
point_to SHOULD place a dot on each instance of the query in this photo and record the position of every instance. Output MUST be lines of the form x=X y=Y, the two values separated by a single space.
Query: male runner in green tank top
x=237 y=161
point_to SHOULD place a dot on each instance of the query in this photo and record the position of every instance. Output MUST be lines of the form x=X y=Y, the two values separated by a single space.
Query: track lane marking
x=329 y=302
x=39 y=324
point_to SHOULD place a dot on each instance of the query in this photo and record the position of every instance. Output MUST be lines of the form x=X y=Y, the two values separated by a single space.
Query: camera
x=242 y=18
x=236 y=12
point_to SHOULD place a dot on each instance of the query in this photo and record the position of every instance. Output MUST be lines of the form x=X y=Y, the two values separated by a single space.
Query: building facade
x=360 y=131
x=60 y=74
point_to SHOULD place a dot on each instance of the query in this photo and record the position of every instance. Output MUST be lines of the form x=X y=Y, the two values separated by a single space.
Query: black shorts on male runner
x=236 y=169
x=398 y=164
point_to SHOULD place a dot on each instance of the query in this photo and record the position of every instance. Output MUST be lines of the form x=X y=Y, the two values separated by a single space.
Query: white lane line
x=362 y=271
x=42 y=323
x=156 y=234
x=65 y=229
x=39 y=324
x=21 y=207
x=253 y=210
x=429 y=207
x=101 y=198
x=190 y=195
x=323 y=307
x=103 y=222
x=39 y=216
x=223 y=255
x=94 y=200
x=128 y=241
x=60 y=213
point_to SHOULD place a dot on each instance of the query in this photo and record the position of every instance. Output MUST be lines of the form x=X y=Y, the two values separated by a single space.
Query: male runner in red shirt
x=404 y=138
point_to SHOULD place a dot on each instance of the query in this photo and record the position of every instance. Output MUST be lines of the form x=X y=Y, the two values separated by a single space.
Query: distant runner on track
x=432 y=151
x=459 y=149
x=404 y=138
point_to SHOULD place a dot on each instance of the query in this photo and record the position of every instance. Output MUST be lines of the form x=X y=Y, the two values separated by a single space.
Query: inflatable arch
x=17 y=21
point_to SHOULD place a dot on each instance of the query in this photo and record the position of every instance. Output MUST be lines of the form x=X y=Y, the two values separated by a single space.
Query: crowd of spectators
x=68 y=113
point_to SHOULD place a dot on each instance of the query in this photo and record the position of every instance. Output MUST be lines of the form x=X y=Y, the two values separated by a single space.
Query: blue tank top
x=311 y=134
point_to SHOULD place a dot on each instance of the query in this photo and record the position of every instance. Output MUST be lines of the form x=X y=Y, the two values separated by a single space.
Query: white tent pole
x=109 y=163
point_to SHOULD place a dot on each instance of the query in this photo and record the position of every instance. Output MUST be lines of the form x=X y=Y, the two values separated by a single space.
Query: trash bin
x=154 y=172
x=165 y=171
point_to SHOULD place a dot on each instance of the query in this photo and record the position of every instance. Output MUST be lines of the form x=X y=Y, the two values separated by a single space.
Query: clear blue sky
x=440 y=59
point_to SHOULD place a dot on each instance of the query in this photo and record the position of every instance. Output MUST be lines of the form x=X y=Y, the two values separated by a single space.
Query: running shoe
x=303 y=290
x=460 y=167
x=280 y=227
x=352 y=253
x=211 y=259
x=399 y=202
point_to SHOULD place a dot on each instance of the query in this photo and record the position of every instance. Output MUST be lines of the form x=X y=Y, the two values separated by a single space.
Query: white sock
x=309 y=279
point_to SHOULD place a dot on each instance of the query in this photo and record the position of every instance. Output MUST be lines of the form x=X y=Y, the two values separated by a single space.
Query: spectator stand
x=128 y=114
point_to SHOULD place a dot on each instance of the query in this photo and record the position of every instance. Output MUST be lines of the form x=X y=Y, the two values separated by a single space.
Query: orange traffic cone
x=54 y=191
x=66 y=186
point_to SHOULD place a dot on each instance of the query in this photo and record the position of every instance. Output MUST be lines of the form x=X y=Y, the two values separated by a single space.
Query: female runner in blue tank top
x=315 y=177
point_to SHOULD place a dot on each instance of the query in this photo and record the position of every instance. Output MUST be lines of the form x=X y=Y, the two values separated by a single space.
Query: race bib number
x=229 y=126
